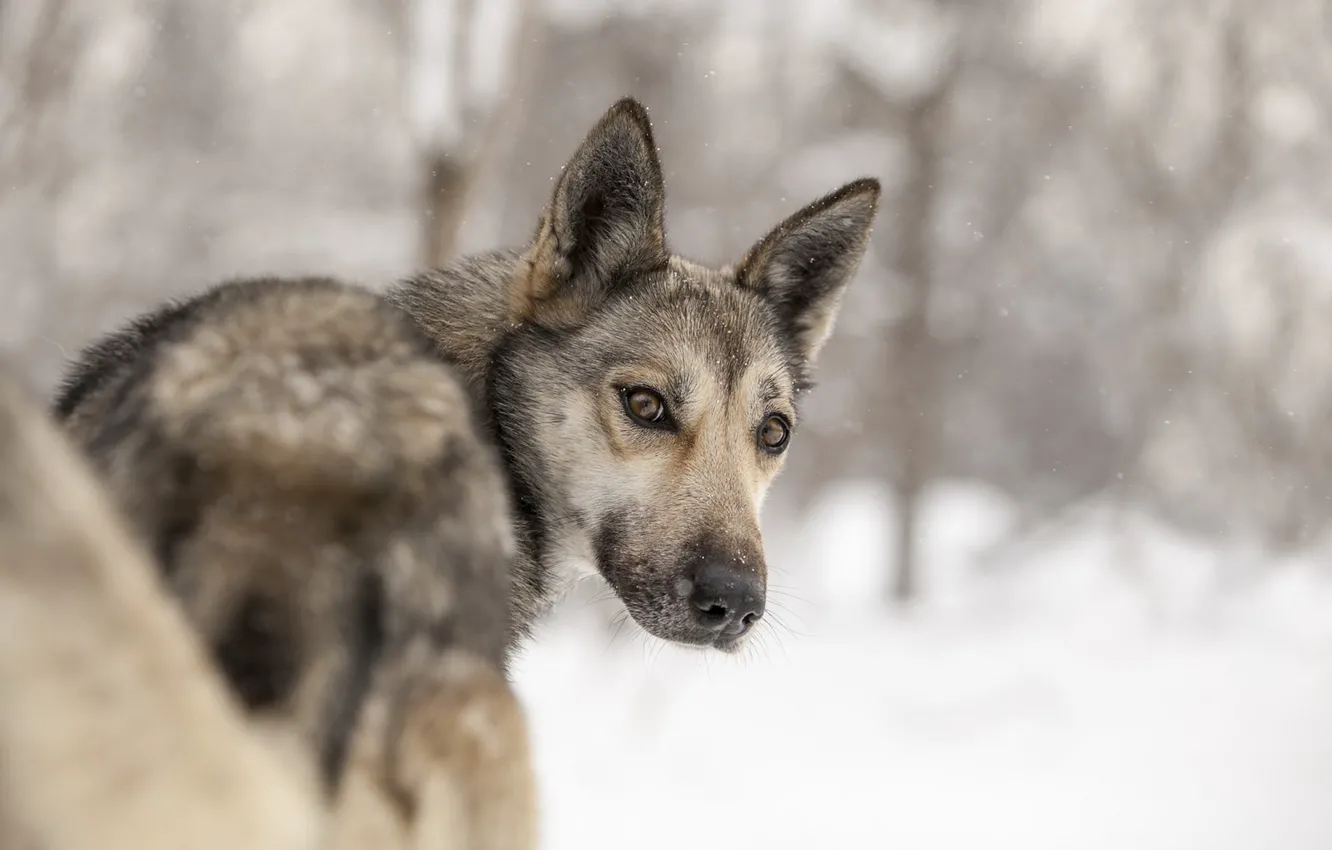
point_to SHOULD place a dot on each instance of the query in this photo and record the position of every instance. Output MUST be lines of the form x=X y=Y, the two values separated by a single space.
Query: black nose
x=727 y=600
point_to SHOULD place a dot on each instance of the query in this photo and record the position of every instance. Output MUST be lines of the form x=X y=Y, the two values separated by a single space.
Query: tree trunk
x=904 y=587
x=450 y=176
x=445 y=200
x=914 y=354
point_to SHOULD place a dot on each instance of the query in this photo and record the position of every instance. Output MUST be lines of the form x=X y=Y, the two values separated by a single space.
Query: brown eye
x=646 y=408
x=774 y=433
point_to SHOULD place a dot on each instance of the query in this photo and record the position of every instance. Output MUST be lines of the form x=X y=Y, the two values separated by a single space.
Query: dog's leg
x=115 y=734
x=441 y=760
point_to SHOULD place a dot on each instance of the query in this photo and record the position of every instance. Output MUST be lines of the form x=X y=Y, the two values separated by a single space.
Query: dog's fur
x=360 y=504
x=114 y=732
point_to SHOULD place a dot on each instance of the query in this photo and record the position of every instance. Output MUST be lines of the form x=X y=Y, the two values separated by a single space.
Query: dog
x=358 y=504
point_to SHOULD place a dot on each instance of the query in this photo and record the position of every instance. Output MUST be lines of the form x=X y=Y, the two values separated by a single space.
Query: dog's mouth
x=707 y=641
x=729 y=645
x=680 y=627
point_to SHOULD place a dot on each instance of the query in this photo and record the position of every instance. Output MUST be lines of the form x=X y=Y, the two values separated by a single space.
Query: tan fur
x=115 y=733
x=441 y=760
x=712 y=457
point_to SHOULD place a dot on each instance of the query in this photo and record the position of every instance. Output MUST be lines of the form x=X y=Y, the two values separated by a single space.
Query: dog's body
x=306 y=474
x=361 y=503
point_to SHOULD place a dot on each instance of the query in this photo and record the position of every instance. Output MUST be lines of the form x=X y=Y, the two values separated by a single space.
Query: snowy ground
x=1108 y=685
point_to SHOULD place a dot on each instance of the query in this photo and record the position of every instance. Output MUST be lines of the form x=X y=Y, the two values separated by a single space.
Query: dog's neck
x=555 y=551
x=462 y=307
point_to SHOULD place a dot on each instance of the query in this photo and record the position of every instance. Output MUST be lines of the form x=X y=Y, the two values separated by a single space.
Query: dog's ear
x=605 y=222
x=803 y=266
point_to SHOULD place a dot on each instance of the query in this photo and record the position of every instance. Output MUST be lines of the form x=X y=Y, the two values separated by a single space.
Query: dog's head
x=652 y=400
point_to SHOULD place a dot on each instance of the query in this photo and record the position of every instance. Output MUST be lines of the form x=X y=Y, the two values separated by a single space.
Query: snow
x=1102 y=683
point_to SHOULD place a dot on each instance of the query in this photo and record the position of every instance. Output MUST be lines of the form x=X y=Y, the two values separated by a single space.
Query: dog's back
x=306 y=472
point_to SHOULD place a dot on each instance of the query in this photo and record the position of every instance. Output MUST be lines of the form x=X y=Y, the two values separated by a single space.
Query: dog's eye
x=646 y=407
x=774 y=433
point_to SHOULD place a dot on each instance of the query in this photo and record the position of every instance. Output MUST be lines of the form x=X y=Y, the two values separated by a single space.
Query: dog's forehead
x=709 y=306
x=693 y=327
x=688 y=273
x=691 y=318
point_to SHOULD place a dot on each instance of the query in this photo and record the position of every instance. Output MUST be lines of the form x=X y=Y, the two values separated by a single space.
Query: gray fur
x=308 y=475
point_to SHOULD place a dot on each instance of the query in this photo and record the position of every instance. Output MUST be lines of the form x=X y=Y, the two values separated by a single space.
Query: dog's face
x=657 y=399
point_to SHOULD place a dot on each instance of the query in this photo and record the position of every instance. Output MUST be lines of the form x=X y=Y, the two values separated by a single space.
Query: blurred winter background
x=1052 y=558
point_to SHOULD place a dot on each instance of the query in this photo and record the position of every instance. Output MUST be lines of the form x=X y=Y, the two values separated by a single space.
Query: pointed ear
x=605 y=220
x=803 y=266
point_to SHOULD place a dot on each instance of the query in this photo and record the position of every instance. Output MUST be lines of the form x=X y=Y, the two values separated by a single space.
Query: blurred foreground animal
x=331 y=515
